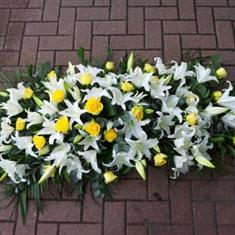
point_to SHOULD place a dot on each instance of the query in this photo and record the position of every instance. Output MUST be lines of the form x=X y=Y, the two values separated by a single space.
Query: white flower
x=75 y=93
x=96 y=93
x=12 y=107
x=120 y=159
x=24 y=143
x=15 y=171
x=6 y=130
x=213 y=110
x=161 y=68
x=89 y=141
x=180 y=72
x=90 y=157
x=33 y=118
x=164 y=122
x=107 y=81
x=16 y=94
x=229 y=119
x=49 y=129
x=54 y=85
x=203 y=74
x=59 y=155
x=48 y=108
x=73 y=111
x=226 y=100
x=141 y=147
x=120 y=99
x=159 y=89
x=182 y=164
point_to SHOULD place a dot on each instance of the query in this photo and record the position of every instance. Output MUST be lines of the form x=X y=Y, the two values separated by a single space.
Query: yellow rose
x=52 y=75
x=221 y=73
x=216 y=95
x=192 y=119
x=127 y=86
x=93 y=128
x=20 y=124
x=86 y=78
x=109 y=177
x=39 y=142
x=138 y=112
x=58 y=96
x=109 y=65
x=110 y=135
x=93 y=106
x=160 y=159
x=28 y=93
x=62 y=125
x=149 y=68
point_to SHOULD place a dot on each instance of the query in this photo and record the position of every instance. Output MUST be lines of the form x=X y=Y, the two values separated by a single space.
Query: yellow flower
x=28 y=93
x=93 y=106
x=127 y=86
x=62 y=125
x=138 y=112
x=191 y=119
x=160 y=159
x=39 y=142
x=58 y=96
x=20 y=124
x=216 y=95
x=221 y=73
x=109 y=177
x=86 y=78
x=110 y=135
x=52 y=75
x=109 y=65
x=93 y=128
x=149 y=68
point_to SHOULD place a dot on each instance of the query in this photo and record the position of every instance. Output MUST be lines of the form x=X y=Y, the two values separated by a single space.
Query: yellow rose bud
x=39 y=142
x=221 y=73
x=52 y=75
x=192 y=119
x=20 y=124
x=58 y=96
x=149 y=68
x=109 y=65
x=28 y=93
x=93 y=128
x=138 y=112
x=216 y=95
x=86 y=78
x=93 y=106
x=110 y=135
x=109 y=177
x=127 y=86
x=160 y=159
x=62 y=125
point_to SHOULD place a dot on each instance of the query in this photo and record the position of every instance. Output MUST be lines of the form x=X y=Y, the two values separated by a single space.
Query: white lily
x=182 y=164
x=213 y=110
x=49 y=129
x=159 y=89
x=12 y=107
x=203 y=74
x=139 y=79
x=141 y=147
x=54 y=85
x=89 y=141
x=6 y=130
x=75 y=93
x=73 y=111
x=226 y=100
x=121 y=159
x=48 y=108
x=15 y=171
x=17 y=94
x=33 y=118
x=164 y=122
x=24 y=143
x=229 y=119
x=161 y=68
x=59 y=155
x=107 y=81
x=96 y=93
x=90 y=157
x=180 y=72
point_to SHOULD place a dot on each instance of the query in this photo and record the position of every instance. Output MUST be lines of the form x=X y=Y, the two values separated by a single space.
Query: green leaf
x=81 y=54
x=30 y=70
x=217 y=139
x=216 y=59
x=203 y=161
x=23 y=205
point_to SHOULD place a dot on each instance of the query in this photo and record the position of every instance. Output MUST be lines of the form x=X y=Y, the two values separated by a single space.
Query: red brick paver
x=32 y=31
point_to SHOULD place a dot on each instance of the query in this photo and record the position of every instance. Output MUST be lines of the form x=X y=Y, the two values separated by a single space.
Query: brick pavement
x=37 y=30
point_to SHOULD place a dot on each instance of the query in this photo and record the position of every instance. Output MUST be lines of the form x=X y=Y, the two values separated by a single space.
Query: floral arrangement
x=96 y=123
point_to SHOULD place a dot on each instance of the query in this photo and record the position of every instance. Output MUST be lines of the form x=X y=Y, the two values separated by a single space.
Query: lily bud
x=234 y=140
x=140 y=167
x=6 y=147
x=203 y=161
x=4 y=175
x=43 y=151
x=130 y=62
x=49 y=171
x=77 y=139
x=167 y=79
x=4 y=94
x=37 y=101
